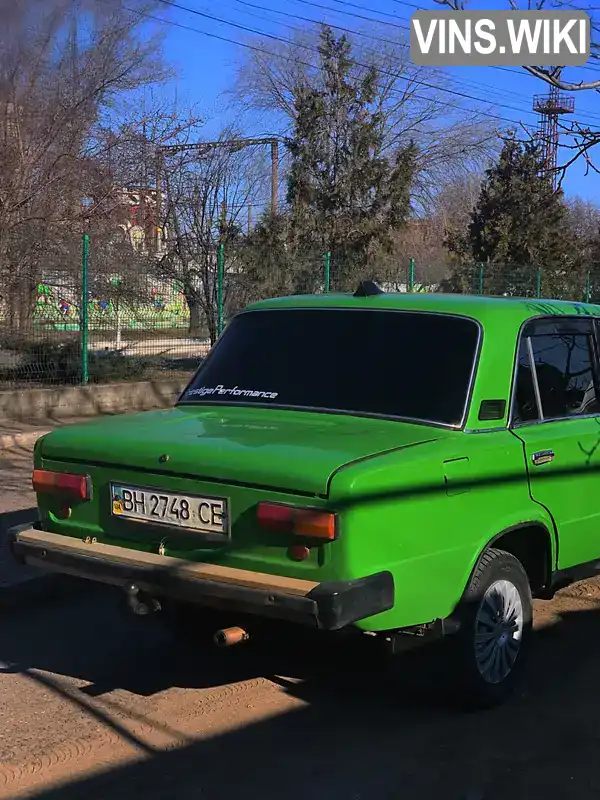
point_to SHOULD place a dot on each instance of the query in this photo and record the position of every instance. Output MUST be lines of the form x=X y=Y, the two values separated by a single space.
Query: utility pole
x=73 y=44
x=143 y=203
x=83 y=313
x=74 y=58
x=159 y=219
x=274 y=175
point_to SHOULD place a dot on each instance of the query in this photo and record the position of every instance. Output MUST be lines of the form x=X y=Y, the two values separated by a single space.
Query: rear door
x=556 y=414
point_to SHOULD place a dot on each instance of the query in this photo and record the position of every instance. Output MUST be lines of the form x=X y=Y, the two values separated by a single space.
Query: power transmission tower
x=550 y=108
x=205 y=147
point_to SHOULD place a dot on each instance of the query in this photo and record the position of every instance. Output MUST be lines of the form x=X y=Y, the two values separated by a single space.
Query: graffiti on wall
x=164 y=306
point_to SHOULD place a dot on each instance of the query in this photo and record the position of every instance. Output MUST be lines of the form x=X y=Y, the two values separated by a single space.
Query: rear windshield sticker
x=235 y=390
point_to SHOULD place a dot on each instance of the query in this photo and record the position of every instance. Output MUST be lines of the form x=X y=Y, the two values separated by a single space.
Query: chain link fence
x=130 y=331
x=88 y=325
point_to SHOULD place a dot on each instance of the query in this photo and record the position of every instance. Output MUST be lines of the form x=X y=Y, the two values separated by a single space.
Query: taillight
x=309 y=522
x=46 y=482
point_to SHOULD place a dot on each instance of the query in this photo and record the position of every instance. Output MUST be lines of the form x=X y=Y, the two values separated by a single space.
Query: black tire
x=479 y=684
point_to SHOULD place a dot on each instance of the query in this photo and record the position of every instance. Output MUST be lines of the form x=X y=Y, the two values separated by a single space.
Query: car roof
x=483 y=308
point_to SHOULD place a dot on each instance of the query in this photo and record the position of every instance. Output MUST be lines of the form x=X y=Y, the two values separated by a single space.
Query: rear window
x=358 y=361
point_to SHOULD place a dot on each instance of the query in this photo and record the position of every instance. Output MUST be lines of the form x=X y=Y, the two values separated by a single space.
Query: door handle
x=542 y=457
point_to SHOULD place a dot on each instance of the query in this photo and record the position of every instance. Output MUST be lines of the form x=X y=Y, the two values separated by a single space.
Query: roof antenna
x=367 y=289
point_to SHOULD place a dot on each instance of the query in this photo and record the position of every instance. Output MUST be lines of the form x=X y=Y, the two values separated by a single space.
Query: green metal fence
x=89 y=323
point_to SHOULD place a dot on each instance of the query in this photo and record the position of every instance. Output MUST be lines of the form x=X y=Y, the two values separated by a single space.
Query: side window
x=564 y=369
x=526 y=409
x=564 y=365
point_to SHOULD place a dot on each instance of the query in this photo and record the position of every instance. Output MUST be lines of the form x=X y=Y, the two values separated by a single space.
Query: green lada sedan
x=415 y=466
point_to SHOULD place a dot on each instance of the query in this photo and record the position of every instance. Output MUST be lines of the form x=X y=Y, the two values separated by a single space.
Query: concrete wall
x=81 y=401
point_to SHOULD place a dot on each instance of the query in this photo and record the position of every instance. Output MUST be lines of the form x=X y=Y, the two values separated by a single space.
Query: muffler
x=227 y=637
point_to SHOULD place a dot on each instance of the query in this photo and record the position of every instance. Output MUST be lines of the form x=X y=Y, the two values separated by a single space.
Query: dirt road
x=15 y=479
x=95 y=704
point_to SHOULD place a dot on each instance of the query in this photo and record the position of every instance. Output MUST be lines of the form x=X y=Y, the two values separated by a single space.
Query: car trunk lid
x=277 y=449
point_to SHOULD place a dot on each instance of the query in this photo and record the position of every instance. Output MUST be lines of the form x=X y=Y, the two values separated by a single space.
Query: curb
x=92 y=400
x=9 y=441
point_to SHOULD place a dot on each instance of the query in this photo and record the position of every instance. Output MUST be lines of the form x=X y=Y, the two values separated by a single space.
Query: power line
x=407 y=28
x=364 y=8
x=591 y=68
x=353 y=31
x=214 y=18
x=259 y=49
x=284 y=40
x=350 y=13
x=319 y=22
x=593 y=116
x=415 y=81
x=379 y=21
x=594 y=68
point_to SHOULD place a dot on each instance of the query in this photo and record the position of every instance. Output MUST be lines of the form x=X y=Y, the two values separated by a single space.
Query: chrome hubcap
x=498 y=631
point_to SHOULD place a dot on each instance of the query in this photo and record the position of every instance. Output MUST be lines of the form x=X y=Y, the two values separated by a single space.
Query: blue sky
x=207 y=65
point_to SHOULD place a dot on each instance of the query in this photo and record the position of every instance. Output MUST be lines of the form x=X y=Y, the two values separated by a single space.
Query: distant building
x=140 y=218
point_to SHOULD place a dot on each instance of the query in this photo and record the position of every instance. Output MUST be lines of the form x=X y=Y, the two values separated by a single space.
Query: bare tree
x=455 y=201
x=583 y=225
x=584 y=218
x=424 y=238
x=64 y=65
x=207 y=197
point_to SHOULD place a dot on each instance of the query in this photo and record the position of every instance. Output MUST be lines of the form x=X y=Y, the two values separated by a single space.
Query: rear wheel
x=492 y=644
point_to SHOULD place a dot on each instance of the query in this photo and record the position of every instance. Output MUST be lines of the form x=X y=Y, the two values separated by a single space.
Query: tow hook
x=139 y=602
x=227 y=637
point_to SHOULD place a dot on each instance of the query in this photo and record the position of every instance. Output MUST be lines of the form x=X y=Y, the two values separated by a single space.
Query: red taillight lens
x=46 y=482
x=274 y=517
x=308 y=522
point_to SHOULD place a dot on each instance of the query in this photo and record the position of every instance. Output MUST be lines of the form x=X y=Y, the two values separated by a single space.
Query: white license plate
x=205 y=514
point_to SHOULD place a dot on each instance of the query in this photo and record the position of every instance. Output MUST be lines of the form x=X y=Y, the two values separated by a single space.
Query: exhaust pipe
x=227 y=637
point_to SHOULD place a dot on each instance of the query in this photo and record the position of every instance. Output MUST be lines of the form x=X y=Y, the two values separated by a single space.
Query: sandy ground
x=153 y=346
x=15 y=479
x=99 y=705
x=96 y=704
